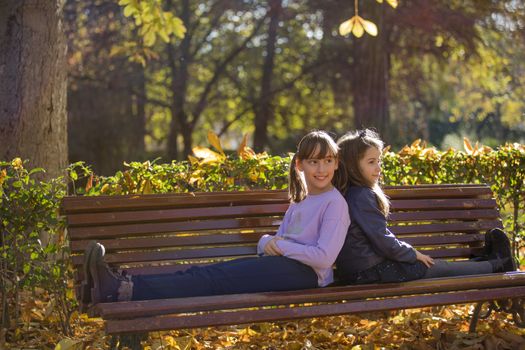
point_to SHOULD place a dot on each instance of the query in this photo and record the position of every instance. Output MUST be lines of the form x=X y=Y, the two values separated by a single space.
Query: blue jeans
x=244 y=275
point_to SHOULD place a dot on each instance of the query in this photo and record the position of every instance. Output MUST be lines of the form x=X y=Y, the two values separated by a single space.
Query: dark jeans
x=245 y=275
x=395 y=271
x=388 y=271
x=392 y=271
x=443 y=268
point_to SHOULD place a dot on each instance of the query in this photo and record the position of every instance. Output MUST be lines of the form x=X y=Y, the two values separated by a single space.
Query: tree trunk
x=179 y=60
x=33 y=91
x=371 y=74
x=139 y=151
x=264 y=110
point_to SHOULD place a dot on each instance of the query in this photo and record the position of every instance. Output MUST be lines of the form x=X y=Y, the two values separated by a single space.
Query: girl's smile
x=318 y=173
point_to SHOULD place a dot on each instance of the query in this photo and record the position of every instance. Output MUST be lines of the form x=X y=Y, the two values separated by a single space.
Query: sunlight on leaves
x=213 y=139
x=153 y=21
x=207 y=154
x=244 y=152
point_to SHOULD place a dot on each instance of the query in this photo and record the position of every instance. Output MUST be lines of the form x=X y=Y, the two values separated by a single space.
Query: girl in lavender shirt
x=300 y=255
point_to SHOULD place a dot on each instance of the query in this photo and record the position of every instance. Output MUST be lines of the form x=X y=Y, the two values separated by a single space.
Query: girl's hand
x=425 y=259
x=271 y=247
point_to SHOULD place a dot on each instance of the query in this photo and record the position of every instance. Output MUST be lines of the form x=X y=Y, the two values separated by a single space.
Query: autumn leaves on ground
x=419 y=329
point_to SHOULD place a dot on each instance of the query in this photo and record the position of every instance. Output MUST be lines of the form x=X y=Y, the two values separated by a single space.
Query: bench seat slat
x=274 y=314
x=131 y=309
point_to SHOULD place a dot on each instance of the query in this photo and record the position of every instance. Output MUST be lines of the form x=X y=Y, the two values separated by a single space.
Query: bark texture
x=33 y=83
x=371 y=67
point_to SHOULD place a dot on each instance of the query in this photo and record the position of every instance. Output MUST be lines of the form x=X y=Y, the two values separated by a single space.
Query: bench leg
x=518 y=312
x=130 y=341
x=515 y=307
x=475 y=318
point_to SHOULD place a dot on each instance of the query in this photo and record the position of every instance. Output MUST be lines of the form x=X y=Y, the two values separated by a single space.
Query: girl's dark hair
x=315 y=144
x=352 y=148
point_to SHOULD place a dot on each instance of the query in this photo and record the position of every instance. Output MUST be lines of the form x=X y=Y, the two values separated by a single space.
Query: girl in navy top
x=371 y=252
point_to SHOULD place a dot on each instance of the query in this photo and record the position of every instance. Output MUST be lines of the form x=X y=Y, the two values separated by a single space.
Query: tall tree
x=33 y=88
x=195 y=71
x=263 y=110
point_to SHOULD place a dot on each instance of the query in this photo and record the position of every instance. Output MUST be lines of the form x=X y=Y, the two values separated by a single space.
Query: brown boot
x=108 y=286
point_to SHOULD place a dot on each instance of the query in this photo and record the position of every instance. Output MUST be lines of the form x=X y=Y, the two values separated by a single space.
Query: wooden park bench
x=147 y=234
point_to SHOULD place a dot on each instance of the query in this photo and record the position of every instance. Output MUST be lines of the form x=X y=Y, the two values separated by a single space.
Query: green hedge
x=29 y=208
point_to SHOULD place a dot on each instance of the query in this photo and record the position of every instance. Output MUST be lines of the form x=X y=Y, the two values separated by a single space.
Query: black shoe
x=106 y=283
x=500 y=249
x=87 y=283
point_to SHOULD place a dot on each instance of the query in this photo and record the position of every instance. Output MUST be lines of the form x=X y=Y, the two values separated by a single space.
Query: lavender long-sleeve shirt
x=314 y=231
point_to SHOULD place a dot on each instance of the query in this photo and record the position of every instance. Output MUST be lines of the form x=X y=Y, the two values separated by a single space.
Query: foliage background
x=34 y=247
x=438 y=70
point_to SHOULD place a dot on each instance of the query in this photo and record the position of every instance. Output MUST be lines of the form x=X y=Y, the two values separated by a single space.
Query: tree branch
x=219 y=70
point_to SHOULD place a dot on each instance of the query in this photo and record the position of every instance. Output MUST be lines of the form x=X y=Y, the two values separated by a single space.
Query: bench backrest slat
x=474 y=214
x=130 y=230
x=472 y=226
x=74 y=204
x=128 y=217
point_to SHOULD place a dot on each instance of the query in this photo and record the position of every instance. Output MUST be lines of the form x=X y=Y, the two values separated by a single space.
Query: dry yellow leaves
x=244 y=151
x=207 y=155
x=476 y=149
x=213 y=139
x=3 y=175
x=17 y=163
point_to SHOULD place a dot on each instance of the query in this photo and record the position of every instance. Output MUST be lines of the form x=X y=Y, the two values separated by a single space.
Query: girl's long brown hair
x=315 y=144
x=352 y=148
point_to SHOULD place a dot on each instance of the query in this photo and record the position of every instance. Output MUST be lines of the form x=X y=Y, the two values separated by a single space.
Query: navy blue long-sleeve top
x=368 y=241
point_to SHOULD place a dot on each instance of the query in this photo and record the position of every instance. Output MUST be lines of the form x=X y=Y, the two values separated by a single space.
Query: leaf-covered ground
x=419 y=329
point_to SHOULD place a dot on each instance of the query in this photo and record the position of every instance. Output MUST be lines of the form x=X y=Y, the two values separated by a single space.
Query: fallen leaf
x=69 y=344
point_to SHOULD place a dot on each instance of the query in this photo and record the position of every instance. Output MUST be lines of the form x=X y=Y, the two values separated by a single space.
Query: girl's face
x=370 y=165
x=318 y=172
